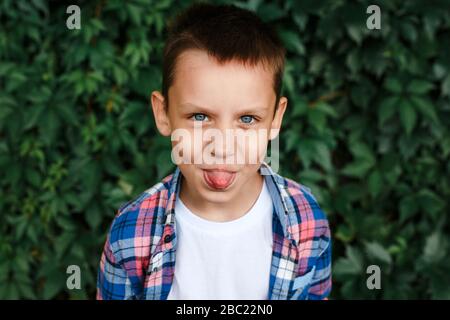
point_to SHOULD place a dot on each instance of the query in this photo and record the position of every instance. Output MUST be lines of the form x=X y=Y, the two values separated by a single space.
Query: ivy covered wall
x=367 y=128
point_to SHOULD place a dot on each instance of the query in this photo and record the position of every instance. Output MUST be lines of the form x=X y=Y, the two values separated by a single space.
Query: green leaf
x=419 y=86
x=425 y=107
x=375 y=183
x=445 y=86
x=54 y=283
x=344 y=233
x=26 y=291
x=324 y=156
x=364 y=160
x=351 y=265
x=135 y=13
x=326 y=109
x=408 y=207
x=355 y=32
x=394 y=85
x=408 y=116
x=317 y=119
x=431 y=203
x=270 y=12
x=387 y=108
x=357 y=168
x=33 y=116
x=49 y=127
x=435 y=248
x=317 y=61
x=93 y=216
x=362 y=151
x=376 y=251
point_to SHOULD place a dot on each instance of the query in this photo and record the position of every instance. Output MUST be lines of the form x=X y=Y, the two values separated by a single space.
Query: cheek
x=188 y=172
x=187 y=146
x=258 y=148
x=253 y=146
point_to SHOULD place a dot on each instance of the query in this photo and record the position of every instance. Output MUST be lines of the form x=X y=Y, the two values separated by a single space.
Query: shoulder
x=303 y=198
x=139 y=219
x=305 y=214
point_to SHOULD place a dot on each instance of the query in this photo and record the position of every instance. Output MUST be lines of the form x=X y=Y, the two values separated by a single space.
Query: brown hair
x=226 y=33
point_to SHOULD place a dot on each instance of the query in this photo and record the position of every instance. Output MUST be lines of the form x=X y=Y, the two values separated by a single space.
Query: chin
x=217 y=196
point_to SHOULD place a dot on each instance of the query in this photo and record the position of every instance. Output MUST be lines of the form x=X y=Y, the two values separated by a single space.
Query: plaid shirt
x=138 y=259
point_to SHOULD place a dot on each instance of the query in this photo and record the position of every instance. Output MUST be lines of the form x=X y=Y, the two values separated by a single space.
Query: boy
x=219 y=228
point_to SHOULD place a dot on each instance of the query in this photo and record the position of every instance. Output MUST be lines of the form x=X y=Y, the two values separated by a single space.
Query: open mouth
x=218 y=179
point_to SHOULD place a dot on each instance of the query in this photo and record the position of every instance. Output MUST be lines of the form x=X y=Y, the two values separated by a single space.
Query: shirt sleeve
x=321 y=281
x=113 y=282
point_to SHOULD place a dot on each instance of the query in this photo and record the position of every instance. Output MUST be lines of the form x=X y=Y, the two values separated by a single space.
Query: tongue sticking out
x=218 y=179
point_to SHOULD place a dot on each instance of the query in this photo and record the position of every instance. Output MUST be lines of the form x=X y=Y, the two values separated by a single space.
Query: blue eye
x=200 y=117
x=247 y=119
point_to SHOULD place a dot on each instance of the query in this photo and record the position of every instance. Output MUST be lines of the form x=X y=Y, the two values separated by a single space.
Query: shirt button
x=167 y=238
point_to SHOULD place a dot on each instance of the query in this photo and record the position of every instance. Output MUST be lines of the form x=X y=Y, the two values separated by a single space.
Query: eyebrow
x=197 y=108
x=254 y=109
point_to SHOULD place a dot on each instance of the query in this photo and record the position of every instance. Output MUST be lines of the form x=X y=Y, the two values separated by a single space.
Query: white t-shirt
x=223 y=260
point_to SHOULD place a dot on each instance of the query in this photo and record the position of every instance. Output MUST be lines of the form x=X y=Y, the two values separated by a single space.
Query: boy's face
x=209 y=101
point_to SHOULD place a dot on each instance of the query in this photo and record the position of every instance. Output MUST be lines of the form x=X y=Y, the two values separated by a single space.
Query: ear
x=278 y=118
x=160 y=113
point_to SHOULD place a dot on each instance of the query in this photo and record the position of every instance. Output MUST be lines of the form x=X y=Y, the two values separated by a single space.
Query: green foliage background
x=367 y=129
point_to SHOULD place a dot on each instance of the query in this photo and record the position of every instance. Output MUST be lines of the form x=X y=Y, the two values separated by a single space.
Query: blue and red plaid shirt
x=138 y=259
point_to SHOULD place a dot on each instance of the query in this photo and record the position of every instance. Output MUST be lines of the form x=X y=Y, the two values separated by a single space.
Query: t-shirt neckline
x=252 y=215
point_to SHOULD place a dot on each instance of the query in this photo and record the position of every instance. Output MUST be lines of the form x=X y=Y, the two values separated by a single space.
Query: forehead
x=199 y=78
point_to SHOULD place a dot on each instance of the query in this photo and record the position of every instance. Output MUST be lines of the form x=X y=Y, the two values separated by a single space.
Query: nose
x=223 y=142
